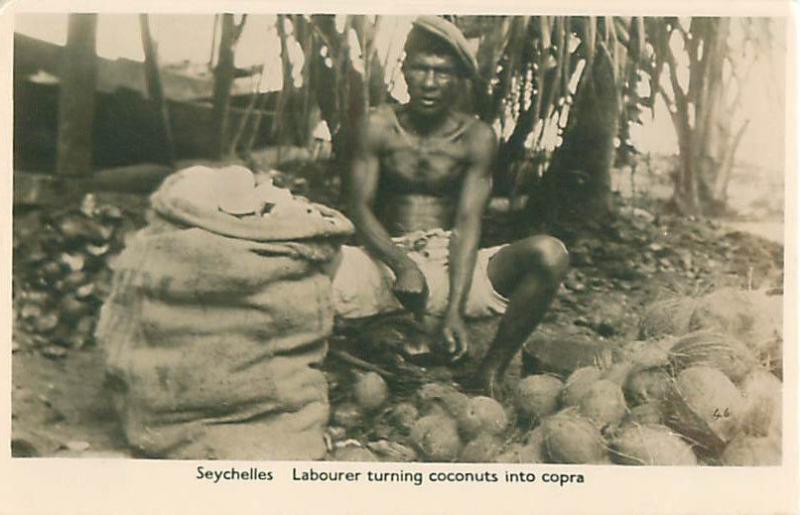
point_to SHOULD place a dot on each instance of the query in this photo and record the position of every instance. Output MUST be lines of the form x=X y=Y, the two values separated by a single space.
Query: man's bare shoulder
x=380 y=120
x=481 y=139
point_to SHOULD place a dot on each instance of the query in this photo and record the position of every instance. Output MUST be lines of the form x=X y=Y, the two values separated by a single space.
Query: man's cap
x=450 y=34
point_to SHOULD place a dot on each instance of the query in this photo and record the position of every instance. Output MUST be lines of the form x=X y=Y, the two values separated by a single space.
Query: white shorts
x=362 y=285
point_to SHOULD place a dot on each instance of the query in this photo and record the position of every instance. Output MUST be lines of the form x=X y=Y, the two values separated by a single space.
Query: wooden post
x=77 y=97
x=155 y=88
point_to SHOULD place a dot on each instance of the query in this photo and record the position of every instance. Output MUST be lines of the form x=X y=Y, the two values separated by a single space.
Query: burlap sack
x=215 y=325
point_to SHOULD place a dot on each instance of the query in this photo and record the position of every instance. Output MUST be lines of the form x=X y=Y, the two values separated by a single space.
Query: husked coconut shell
x=571 y=438
x=604 y=403
x=763 y=394
x=482 y=415
x=650 y=445
x=716 y=350
x=705 y=406
x=578 y=383
x=751 y=451
x=482 y=449
x=436 y=438
x=370 y=391
x=537 y=396
x=647 y=385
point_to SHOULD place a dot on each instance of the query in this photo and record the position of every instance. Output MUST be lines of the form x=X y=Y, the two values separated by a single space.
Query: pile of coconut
x=701 y=397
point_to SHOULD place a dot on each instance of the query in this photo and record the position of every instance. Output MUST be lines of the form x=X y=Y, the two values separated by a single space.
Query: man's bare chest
x=419 y=165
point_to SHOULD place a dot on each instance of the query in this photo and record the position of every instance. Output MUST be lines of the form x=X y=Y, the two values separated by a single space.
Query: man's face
x=431 y=80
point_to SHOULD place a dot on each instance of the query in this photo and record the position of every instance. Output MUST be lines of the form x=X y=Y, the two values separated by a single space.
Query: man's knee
x=548 y=255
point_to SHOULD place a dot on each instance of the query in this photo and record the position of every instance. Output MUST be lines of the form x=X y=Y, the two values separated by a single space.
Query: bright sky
x=188 y=37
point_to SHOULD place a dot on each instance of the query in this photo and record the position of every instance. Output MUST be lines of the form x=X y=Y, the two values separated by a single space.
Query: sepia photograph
x=451 y=239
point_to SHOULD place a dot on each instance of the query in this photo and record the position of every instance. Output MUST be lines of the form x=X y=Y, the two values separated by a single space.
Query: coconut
x=750 y=451
x=482 y=449
x=651 y=355
x=754 y=316
x=436 y=437
x=667 y=317
x=482 y=415
x=646 y=413
x=402 y=416
x=370 y=391
x=716 y=350
x=571 y=438
x=353 y=453
x=537 y=396
x=618 y=372
x=578 y=383
x=650 y=445
x=647 y=385
x=763 y=404
x=442 y=399
x=705 y=406
x=531 y=450
x=604 y=403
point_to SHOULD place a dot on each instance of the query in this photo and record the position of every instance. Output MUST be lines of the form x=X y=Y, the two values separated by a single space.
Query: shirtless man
x=418 y=186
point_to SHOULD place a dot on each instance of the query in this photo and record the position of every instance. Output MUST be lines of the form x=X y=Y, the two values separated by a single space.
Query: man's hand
x=411 y=289
x=455 y=336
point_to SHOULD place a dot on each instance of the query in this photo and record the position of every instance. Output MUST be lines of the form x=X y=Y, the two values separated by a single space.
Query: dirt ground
x=61 y=408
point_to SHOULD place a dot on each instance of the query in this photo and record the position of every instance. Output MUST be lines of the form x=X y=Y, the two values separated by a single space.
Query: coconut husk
x=537 y=396
x=750 y=451
x=647 y=413
x=481 y=415
x=704 y=406
x=753 y=315
x=651 y=445
x=667 y=317
x=571 y=438
x=652 y=384
x=763 y=394
x=482 y=449
x=441 y=398
x=715 y=350
x=604 y=403
x=530 y=450
x=578 y=383
x=436 y=438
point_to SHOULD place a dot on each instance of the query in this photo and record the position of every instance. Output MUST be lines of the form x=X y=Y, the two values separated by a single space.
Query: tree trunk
x=576 y=187
x=155 y=90
x=77 y=97
x=703 y=120
x=223 y=81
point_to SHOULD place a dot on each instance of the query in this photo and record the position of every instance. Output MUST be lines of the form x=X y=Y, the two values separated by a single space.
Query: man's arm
x=361 y=189
x=475 y=191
